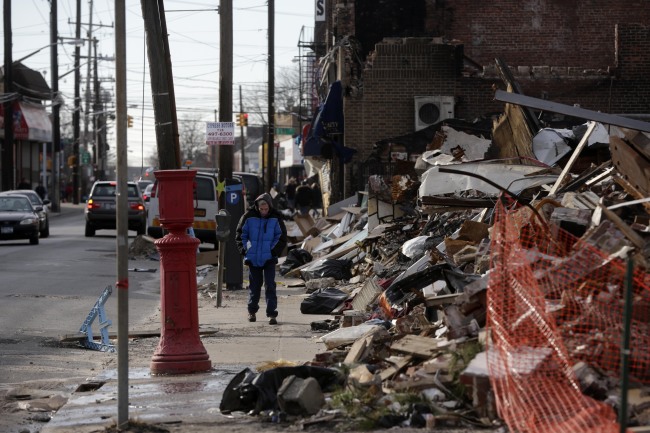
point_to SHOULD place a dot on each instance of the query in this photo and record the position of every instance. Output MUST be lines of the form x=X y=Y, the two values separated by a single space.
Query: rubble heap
x=487 y=291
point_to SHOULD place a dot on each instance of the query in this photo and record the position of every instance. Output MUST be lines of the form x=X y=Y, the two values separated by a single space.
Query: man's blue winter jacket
x=260 y=239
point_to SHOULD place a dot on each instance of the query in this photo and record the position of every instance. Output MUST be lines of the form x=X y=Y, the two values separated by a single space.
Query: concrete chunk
x=299 y=396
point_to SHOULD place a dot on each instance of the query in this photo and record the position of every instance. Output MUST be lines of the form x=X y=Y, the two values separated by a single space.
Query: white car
x=146 y=196
x=206 y=207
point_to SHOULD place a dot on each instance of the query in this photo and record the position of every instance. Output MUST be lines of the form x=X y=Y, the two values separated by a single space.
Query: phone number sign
x=219 y=133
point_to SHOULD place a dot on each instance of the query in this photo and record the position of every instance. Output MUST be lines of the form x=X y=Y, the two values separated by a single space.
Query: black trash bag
x=323 y=301
x=264 y=387
x=338 y=269
x=295 y=258
x=240 y=394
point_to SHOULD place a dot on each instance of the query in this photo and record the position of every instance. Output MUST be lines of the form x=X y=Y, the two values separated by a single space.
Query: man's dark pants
x=257 y=276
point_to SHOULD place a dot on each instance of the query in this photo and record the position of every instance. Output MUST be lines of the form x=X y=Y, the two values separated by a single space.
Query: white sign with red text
x=219 y=133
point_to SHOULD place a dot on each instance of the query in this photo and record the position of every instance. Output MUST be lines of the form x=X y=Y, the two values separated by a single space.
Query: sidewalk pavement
x=67 y=208
x=190 y=403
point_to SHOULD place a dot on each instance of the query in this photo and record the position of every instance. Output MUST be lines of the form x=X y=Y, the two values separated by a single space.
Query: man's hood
x=267 y=198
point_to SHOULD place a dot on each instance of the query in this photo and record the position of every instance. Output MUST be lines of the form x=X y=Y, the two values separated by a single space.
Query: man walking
x=261 y=237
x=23 y=184
x=303 y=198
x=41 y=191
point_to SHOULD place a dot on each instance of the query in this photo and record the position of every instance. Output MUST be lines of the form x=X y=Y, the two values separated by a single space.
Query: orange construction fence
x=555 y=300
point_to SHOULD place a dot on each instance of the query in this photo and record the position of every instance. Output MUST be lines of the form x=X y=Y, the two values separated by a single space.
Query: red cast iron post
x=180 y=349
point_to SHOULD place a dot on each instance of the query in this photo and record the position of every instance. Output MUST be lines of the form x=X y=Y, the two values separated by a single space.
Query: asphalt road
x=48 y=290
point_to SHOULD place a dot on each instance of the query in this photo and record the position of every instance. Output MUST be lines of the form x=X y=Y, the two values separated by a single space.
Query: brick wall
x=538 y=32
x=400 y=70
x=592 y=53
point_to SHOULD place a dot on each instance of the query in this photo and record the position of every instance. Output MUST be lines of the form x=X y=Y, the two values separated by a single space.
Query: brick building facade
x=593 y=53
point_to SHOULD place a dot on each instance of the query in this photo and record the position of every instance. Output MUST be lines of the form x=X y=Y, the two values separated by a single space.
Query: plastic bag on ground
x=248 y=391
x=323 y=301
x=295 y=258
x=338 y=269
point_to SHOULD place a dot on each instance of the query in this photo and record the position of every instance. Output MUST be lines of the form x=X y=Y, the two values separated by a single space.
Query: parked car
x=102 y=204
x=143 y=184
x=146 y=196
x=40 y=206
x=18 y=218
x=253 y=185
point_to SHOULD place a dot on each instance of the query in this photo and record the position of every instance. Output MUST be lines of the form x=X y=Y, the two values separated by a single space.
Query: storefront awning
x=31 y=122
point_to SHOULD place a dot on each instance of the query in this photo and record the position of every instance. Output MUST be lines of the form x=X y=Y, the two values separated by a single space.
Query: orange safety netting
x=553 y=301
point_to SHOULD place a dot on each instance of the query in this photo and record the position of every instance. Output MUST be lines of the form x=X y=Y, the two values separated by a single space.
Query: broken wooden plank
x=573 y=159
x=511 y=136
x=631 y=165
x=415 y=345
x=397 y=366
x=359 y=350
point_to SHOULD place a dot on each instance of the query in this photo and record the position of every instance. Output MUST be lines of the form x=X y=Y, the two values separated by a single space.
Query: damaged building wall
x=593 y=54
x=400 y=70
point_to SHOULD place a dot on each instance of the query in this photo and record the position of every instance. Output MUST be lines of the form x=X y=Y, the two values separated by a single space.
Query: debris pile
x=143 y=247
x=485 y=292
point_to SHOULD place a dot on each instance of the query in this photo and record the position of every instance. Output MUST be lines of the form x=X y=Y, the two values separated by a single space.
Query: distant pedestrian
x=317 y=199
x=303 y=198
x=23 y=184
x=261 y=237
x=275 y=192
x=68 y=192
x=290 y=192
x=41 y=191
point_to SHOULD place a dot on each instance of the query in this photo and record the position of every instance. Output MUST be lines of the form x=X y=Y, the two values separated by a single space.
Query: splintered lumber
x=389 y=372
x=416 y=345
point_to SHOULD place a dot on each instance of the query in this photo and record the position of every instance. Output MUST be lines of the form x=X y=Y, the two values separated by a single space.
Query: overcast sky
x=193 y=28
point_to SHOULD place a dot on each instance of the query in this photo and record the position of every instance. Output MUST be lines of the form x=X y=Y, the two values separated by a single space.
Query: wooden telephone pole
x=225 y=153
x=270 y=148
x=162 y=85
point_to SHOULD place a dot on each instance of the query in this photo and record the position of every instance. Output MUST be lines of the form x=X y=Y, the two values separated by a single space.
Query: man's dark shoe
x=273 y=321
x=251 y=317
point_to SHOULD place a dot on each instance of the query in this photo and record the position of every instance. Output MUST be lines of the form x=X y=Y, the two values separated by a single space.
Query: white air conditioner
x=432 y=109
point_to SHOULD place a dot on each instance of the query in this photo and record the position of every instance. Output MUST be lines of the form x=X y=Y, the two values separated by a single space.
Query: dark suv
x=252 y=185
x=102 y=204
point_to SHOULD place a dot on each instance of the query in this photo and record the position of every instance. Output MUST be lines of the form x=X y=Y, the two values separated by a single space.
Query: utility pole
x=162 y=85
x=241 y=133
x=98 y=121
x=270 y=172
x=76 y=186
x=87 y=95
x=8 y=180
x=225 y=153
x=55 y=187
x=122 y=219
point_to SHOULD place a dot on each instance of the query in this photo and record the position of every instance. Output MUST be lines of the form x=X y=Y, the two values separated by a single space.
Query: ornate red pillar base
x=180 y=350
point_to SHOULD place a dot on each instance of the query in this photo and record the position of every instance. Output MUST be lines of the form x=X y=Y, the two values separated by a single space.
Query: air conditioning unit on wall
x=432 y=109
